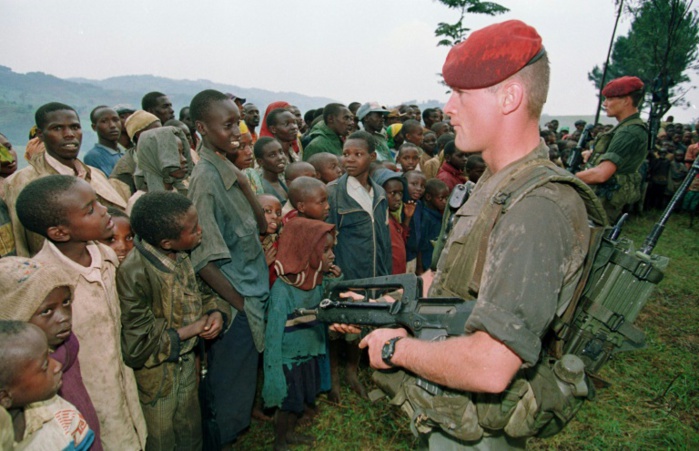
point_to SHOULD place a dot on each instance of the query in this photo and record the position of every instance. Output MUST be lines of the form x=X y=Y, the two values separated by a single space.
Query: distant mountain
x=22 y=94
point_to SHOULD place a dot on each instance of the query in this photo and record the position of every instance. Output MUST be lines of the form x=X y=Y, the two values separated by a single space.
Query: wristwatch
x=389 y=348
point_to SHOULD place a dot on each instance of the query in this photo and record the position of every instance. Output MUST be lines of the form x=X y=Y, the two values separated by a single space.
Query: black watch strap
x=389 y=348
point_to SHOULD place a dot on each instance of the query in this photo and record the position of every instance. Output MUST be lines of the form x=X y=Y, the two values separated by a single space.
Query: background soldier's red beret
x=491 y=55
x=622 y=86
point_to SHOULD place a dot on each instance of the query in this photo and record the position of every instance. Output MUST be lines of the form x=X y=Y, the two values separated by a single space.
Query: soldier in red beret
x=521 y=276
x=612 y=166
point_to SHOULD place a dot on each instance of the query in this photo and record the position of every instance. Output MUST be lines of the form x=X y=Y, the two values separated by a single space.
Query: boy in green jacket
x=162 y=313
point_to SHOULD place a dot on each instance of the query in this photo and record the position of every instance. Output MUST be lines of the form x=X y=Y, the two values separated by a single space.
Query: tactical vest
x=540 y=400
x=620 y=189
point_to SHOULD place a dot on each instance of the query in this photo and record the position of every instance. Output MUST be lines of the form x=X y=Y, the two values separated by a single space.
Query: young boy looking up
x=359 y=209
x=65 y=210
x=452 y=170
x=29 y=376
x=270 y=157
x=58 y=127
x=327 y=166
x=230 y=258
x=42 y=295
x=107 y=151
x=162 y=313
x=408 y=157
x=435 y=201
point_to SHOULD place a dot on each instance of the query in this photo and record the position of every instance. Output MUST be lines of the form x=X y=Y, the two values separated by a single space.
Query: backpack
x=614 y=285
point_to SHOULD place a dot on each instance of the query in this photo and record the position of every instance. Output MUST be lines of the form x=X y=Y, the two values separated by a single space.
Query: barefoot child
x=294 y=344
x=163 y=313
x=65 y=210
x=29 y=381
x=42 y=295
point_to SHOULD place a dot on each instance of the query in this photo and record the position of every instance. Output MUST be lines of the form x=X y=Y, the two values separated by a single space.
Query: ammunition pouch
x=621 y=189
x=540 y=401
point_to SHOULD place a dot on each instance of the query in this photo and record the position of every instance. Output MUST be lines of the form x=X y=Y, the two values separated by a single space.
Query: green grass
x=653 y=402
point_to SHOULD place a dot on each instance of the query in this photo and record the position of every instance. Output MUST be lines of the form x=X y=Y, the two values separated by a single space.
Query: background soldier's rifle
x=575 y=159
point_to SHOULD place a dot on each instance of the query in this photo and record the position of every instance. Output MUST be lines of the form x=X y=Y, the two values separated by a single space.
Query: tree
x=452 y=34
x=659 y=49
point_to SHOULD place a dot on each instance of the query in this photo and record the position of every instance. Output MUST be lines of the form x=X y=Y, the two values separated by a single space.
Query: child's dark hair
x=410 y=126
x=116 y=213
x=40 y=116
x=150 y=100
x=201 y=103
x=473 y=161
x=302 y=187
x=157 y=216
x=434 y=186
x=449 y=149
x=366 y=137
x=444 y=139
x=407 y=145
x=10 y=355
x=259 y=147
x=40 y=204
x=93 y=113
x=414 y=172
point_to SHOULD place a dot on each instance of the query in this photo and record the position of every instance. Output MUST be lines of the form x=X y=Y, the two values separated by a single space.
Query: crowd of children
x=193 y=247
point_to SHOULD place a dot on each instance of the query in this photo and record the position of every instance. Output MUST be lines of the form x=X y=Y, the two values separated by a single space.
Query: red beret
x=622 y=86
x=491 y=55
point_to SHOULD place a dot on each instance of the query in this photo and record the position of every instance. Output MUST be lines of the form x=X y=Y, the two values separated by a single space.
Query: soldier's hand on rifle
x=375 y=342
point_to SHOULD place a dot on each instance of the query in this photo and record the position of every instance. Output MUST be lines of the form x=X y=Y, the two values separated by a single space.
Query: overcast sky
x=362 y=50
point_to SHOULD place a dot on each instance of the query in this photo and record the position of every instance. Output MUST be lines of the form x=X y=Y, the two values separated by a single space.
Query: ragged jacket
x=157 y=297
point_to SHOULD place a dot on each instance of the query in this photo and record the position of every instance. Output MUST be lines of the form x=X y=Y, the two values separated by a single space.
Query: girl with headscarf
x=161 y=162
x=264 y=130
x=294 y=344
x=41 y=294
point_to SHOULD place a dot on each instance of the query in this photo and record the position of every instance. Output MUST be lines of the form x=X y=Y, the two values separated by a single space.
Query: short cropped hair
x=366 y=137
x=158 y=216
x=427 y=112
x=150 y=100
x=93 y=113
x=473 y=161
x=296 y=169
x=201 y=103
x=259 y=147
x=116 y=213
x=41 y=204
x=434 y=186
x=182 y=110
x=535 y=78
x=302 y=187
x=410 y=126
x=331 y=110
x=637 y=96
x=40 y=118
x=444 y=139
x=449 y=149
x=407 y=145
x=11 y=354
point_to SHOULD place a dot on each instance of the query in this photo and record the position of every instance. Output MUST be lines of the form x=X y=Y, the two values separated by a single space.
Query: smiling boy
x=230 y=258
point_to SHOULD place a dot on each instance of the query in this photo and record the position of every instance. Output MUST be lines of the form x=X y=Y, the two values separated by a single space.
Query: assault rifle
x=431 y=319
x=575 y=159
x=426 y=318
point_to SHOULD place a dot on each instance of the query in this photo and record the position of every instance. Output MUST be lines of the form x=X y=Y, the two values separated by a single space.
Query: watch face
x=389 y=348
